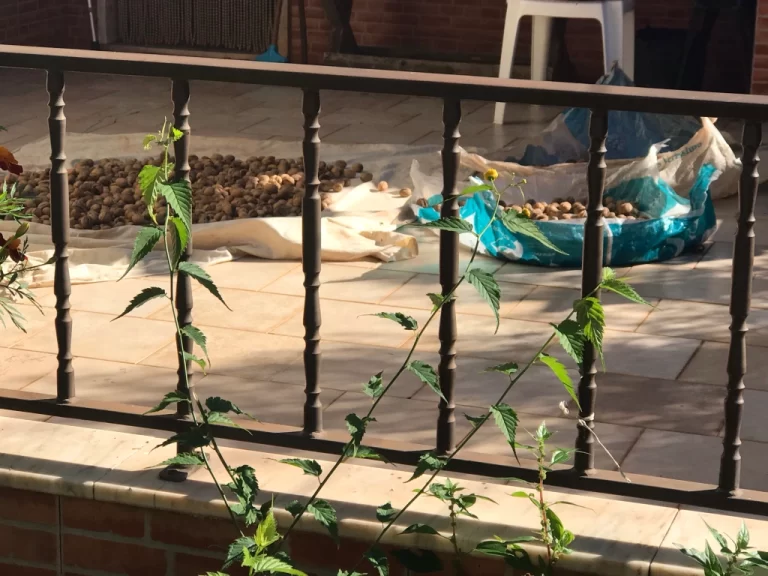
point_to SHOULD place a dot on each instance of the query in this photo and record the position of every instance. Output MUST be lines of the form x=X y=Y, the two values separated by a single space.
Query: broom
x=271 y=54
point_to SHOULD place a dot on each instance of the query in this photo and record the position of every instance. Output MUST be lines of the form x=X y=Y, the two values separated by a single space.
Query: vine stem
x=193 y=397
x=542 y=506
x=397 y=374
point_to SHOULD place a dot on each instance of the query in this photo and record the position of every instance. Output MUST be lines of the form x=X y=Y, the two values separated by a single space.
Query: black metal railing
x=452 y=90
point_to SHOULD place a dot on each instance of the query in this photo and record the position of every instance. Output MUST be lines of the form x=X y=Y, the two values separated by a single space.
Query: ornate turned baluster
x=310 y=247
x=591 y=276
x=57 y=126
x=741 y=295
x=180 y=97
x=449 y=275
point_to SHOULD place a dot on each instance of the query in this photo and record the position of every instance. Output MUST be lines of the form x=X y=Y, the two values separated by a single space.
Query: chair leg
x=507 y=53
x=628 y=54
x=613 y=34
x=542 y=33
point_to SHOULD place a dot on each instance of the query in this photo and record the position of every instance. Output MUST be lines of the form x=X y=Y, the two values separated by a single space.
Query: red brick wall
x=45 y=535
x=760 y=64
x=56 y=23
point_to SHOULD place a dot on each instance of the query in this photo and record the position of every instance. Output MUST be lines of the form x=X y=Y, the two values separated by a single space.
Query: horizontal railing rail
x=452 y=90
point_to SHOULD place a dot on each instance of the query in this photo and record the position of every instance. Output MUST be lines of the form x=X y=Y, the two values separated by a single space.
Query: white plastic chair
x=616 y=17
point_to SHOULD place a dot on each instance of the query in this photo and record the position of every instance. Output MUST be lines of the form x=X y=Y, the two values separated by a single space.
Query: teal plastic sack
x=677 y=224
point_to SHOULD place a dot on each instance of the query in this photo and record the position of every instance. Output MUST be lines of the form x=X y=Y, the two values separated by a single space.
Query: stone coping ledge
x=614 y=537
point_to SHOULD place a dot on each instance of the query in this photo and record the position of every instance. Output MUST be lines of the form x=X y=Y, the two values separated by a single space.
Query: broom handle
x=276 y=26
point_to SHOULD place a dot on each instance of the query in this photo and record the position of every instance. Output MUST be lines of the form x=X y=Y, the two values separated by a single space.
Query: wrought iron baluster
x=591 y=276
x=180 y=96
x=57 y=127
x=310 y=235
x=741 y=295
x=449 y=275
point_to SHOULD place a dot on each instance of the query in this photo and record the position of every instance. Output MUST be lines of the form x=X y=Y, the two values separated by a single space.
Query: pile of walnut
x=105 y=193
x=566 y=209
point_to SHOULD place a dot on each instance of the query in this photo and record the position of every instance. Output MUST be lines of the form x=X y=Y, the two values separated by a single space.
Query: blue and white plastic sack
x=631 y=135
x=678 y=223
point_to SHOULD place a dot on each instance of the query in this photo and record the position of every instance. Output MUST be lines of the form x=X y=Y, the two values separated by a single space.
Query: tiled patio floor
x=659 y=404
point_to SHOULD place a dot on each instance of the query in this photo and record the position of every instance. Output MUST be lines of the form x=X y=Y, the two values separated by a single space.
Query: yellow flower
x=491 y=174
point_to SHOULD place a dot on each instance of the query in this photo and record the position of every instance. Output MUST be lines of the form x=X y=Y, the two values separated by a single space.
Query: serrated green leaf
x=216 y=574
x=221 y=419
x=475 y=420
x=519 y=224
x=179 y=197
x=426 y=462
x=310 y=467
x=142 y=298
x=385 y=513
x=419 y=561
x=713 y=563
x=268 y=564
x=266 y=531
x=719 y=538
x=560 y=372
x=437 y=300
x=176 y=134
x=506 y=419
x=420 y=529
x=520 y=494
x=180 y=238
x=426 y=374
x=194 y=271
x=474 y=189
x=561 y=455
x=623 y=289
x=608 y=273
x=374 y=387
x=148 y=140
x=507 y=368
x=742 y=539
x=449 y=223
x=326 y=515
x=150 y=178
x=488 y=288
x=217 y=404
x=367 y=453
x=194 y=437
x=542 y=432
x=185 y=459
x=168 y=399
x=407 y=322
x=356 y=427
x=145 y=241
x=571 y=339
x=189 y=357
x=294 y=508
x=378 y=560
x=591 y=318
x=345 y=573
x=196 y=335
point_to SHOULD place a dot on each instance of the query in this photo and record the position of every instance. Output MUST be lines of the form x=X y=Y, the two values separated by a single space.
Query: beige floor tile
x=362 y=134
x=540 y=275
x=414 y=295
x=18 y=368
x=250 y=273
x=720 y=257
x=698 y=285
x=97 y=336
x=694 y=458
x=24 y=415
x=288 y=129
x=253 y=311
x=659 y=404
x=113 y=297
x=413 y=421
x=430 y=108
x=370 y=118
x=703 y=322
x=617 y=439
x=354 y=323
x=753 y=425
x=727 y=210
x=349 y=283
x=549 y=304
x=710 y=363
x=348 y=366
x=105 y=381
x=238 y=353
x=267 y=401
x=516 y=340
x=34 y=321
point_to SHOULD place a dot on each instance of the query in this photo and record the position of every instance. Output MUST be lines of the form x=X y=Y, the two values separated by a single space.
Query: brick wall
x=55 y=23
x=46 y=535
